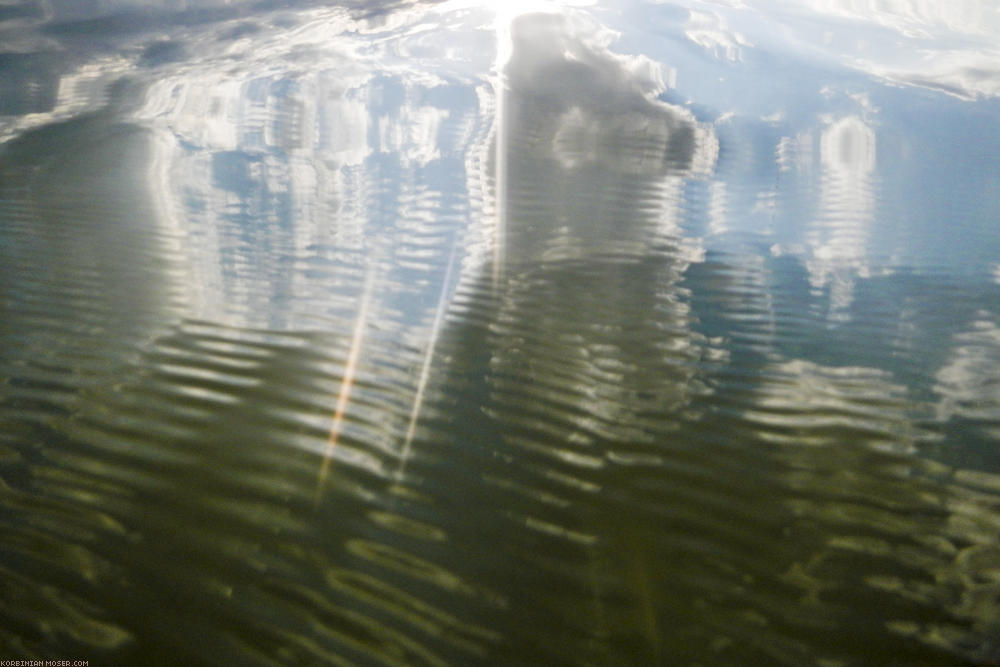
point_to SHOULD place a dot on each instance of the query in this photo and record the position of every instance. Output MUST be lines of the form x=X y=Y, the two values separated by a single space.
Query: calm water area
x=623 y=332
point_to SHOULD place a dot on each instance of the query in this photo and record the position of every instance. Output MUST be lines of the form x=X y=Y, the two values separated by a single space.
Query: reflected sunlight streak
x=350 y=368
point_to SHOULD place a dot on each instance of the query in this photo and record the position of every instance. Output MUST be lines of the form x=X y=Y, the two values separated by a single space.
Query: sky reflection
x=295 y=145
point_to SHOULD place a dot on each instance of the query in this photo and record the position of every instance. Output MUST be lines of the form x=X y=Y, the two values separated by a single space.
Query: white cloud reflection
x=577 y=120
x=590 y=169
x=710 y=31
x=947 y=46
x=838 y=240
x=413 y=135
x=915 y=18
x=284 y=132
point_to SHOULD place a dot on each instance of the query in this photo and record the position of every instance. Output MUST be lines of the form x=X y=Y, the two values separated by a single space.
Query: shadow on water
x=600 y=450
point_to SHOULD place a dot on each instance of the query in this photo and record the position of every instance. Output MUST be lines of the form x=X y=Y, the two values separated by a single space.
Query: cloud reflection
x=272 y=144
x=944 y=46
x=838 y=239
x=967 y=381
x=590 y=170
x=286 y=155
x=580 y=122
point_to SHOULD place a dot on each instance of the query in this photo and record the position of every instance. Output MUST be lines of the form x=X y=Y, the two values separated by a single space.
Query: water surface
x=457 y=333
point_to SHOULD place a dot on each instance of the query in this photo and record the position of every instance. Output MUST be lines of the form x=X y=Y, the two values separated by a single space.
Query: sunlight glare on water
x=622 y=332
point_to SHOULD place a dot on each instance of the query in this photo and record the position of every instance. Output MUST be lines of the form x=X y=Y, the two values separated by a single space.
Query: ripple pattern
x=406 y=334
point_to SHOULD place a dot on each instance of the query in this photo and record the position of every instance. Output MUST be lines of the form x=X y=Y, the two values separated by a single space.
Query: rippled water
x=476 y=333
